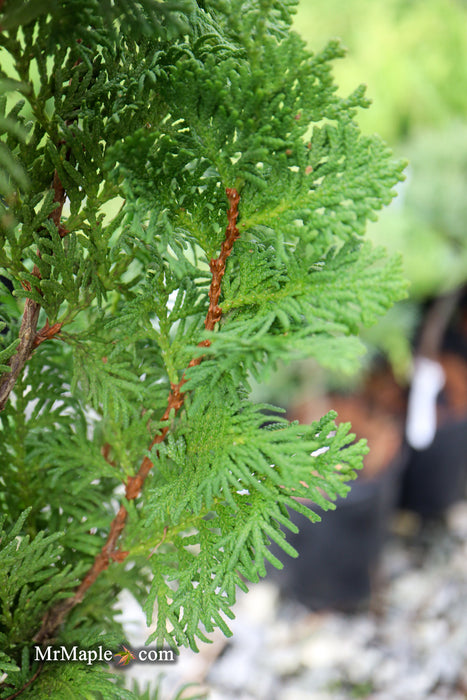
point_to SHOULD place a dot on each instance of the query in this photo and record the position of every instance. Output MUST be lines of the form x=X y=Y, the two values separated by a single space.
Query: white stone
x=326 y=650
x=260 y=603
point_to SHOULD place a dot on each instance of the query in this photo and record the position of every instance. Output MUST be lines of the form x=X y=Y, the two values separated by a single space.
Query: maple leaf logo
x=126 y=657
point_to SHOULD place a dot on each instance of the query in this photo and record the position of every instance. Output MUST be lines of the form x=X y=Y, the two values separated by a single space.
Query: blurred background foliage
x=412 y=57
x=412 y=54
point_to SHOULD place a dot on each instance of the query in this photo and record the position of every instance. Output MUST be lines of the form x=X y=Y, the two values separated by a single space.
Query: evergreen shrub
x=183 y=203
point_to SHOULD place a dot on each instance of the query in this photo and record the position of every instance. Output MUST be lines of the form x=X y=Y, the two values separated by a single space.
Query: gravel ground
x=411 y=644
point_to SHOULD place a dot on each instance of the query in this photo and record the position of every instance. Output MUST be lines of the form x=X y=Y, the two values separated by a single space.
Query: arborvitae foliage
x=135 y=310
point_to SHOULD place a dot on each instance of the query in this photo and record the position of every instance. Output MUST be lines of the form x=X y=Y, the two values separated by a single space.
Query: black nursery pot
x=435 y=478
x=338 y=557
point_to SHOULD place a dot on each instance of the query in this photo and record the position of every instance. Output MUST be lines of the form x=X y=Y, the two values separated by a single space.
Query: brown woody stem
x=110 y=551
x=28 y=335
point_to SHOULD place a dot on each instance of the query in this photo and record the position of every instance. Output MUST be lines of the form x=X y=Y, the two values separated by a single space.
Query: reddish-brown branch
x=217 y=266
x=28 y=336
x=105 y=452
x=110 y=551
x=46 y=333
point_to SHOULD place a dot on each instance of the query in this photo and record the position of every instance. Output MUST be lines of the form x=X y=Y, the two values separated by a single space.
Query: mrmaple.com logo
x=100 y=654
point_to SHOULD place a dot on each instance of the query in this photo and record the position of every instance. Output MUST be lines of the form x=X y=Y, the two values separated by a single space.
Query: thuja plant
x=183 y=202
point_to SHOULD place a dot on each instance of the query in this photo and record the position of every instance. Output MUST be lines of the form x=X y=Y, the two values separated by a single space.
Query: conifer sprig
x=37 y=673
x=110 y=550
x=144 y=112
